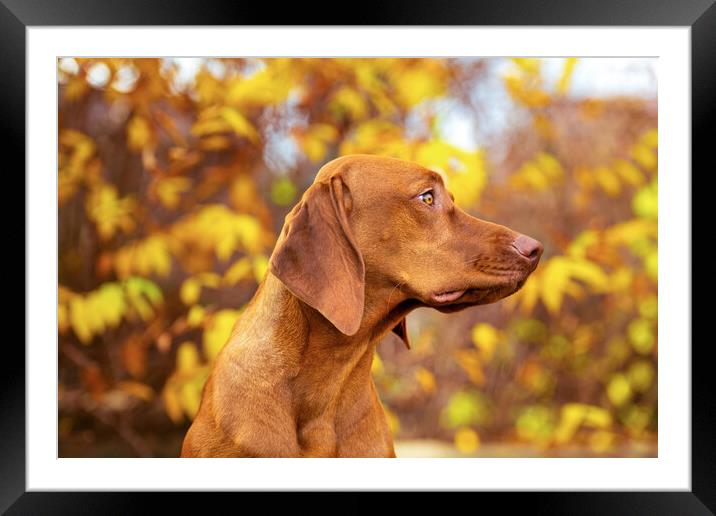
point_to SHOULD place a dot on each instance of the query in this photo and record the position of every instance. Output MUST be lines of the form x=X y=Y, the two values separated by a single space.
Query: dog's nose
x=528 y=247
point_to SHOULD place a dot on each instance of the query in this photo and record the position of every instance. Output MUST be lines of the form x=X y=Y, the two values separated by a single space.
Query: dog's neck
x=324 y=367
x=384 y=307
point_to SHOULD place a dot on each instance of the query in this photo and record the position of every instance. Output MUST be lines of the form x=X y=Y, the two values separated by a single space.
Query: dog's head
x=392 y=225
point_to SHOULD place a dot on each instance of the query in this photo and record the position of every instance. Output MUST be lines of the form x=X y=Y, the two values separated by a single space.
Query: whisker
x=397 y=286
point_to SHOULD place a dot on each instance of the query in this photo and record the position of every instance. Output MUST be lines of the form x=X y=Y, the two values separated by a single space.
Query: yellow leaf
x=190 y=398
x=63 y=318
x=644 y=156
x=376 y=366
x=535 y=377
x=138 y=290
x=136 y=389
x=376 y=136
x=315 y=140
x=544 y=126
x=601 y=441
x=608 y=180
x=426 y=380
x=628 y=172
x=240 y=270
x=555 y=279
x=465 y=408
x=209 y=279
x=584 y=177
x=578 y=247
x=618 y=350
x=108 y=212
x=172 y=404
x=208 y=88
x=93 y=313
x=553 y=283
x=649 y=307
x=530 y=176
x=641 y=336
x=111 y=304
x=415 y=85
x=249 y=232
x=590 y=273
x=530 y=330
x=525 y=85
x=243 y=191
x=240 y=124
x=538 y=174
x=536 y=98
x=592 y=108
x=583 y=339
x=283 y=192
x=551 y=167
x=141 y=307
x=621 y=279
x=529 y=65
x=226 y=246
x=646 y=201
x=217 y=332
x=348 y=100
x=529 y=294
x=78 y=320
x=76 y=88
x=563 y=84
x=195 y=316
x=187 y=358
x=535 y=423
x=470 y=362
x=260 y=267
x=217 y=229
x=145 y=257
x=650 y=138
x=557 y=347
x=393 y=421
x=268 y=86
x=575 y=290
x=597 y=417
x=467 y=440
x=215 y=143
x=210 y=126
x=619 y=390
x=638 y=418
x=139 y=133
x=485 y=337
x=169 y=190
x=571 y=417
x=641 y=375
x=190 y=291
x=627 y=232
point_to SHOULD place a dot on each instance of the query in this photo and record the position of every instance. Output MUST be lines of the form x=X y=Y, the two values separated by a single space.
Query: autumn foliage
x=171 y=191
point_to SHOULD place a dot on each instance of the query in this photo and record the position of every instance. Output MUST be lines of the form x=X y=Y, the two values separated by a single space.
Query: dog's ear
x=401 y=330
x=317 y=257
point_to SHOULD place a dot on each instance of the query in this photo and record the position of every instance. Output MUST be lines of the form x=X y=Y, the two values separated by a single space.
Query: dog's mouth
x=449 y=296
x=454 y=300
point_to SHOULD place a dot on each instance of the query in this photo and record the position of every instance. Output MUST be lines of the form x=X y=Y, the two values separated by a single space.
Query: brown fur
x=359 y=252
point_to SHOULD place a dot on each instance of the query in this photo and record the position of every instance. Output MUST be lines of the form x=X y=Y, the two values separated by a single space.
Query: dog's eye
x=427 y=197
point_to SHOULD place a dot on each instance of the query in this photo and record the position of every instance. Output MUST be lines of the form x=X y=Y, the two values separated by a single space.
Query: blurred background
x=174 y=176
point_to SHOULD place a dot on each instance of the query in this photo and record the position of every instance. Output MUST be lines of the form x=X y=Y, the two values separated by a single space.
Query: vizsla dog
x=371 y=240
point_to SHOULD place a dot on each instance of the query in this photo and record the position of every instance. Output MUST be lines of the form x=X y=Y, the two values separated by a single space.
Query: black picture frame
x=700 y=15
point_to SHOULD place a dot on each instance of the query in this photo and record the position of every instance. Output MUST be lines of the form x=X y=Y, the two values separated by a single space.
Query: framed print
x=250 y=244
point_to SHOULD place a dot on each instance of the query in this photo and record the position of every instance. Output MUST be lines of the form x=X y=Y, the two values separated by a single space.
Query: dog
x=372 y=239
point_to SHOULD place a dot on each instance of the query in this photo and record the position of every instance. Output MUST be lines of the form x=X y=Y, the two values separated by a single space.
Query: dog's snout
x=528 y=247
